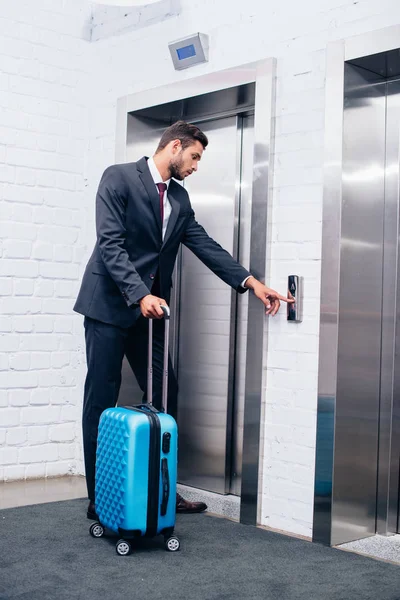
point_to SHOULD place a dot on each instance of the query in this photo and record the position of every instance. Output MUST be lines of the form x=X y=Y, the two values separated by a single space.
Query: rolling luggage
x=136 y=467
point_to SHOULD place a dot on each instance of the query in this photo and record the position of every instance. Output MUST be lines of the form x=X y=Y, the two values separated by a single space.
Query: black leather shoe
x=91 y=512
x=184 y=506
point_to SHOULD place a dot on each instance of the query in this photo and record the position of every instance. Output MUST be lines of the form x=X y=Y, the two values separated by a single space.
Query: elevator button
x=294 y=310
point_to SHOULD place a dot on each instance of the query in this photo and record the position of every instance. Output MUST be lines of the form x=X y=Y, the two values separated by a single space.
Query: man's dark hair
x=186 y=133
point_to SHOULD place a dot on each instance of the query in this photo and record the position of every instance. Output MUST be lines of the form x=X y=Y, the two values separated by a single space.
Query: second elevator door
x=212 y=318
x=367 y=425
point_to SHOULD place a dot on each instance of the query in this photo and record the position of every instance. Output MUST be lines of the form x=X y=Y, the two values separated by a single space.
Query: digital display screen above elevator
x=189 y=51
x=186 y=52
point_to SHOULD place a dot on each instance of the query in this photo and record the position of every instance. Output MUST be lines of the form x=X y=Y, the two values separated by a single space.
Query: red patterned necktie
x=161 y=189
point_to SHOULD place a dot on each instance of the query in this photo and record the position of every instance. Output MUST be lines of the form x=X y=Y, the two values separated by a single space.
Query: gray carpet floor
x=46 y=553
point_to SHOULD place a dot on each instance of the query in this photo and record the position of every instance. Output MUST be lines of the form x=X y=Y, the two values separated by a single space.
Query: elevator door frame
x=326 y=529
x=262 y=73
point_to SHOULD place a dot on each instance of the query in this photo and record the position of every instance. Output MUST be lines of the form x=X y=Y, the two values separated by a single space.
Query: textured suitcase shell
x=122 y=471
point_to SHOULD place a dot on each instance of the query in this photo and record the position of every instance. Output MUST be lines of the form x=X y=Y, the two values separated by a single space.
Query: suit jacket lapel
x=150 y=189
x=176 y=207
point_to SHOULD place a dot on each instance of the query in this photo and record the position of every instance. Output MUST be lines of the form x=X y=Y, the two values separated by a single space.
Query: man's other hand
x=269 y=297
x=150 y=307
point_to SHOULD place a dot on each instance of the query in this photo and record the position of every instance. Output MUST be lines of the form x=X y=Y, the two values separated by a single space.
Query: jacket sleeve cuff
x=243 y=284
x=241 y=289
x=133 y=299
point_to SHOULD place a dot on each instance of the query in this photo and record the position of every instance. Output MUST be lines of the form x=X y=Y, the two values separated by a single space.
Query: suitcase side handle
x=165 y=486
x=167 y=314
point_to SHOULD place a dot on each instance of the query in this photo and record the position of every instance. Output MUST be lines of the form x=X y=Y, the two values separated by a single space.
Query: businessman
x=142 y=217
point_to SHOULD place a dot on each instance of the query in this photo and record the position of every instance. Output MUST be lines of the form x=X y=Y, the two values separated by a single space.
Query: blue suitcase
x=136 y=467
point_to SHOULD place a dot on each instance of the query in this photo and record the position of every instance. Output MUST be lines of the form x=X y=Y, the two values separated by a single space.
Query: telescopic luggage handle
x=167 y=314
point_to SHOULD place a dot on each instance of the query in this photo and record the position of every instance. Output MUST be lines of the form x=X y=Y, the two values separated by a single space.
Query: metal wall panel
x=360 y=308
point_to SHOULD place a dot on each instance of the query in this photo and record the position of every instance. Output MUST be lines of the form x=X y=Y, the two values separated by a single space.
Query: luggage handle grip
x=166 y=311
x=167 y=314
x=165 y=486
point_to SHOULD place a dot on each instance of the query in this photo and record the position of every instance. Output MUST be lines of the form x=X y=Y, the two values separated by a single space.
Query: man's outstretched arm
x=229 y=270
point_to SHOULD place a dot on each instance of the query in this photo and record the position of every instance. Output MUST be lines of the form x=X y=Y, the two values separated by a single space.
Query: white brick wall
x=43 y=138
x=296 y=34
x=57 y=130
x=113 y=20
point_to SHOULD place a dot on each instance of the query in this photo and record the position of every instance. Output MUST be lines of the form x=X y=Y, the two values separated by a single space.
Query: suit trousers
x=106 y=346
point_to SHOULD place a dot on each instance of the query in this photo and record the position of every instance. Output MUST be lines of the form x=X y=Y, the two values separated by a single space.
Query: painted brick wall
x=297 y=35
x=113 y=20
x=43 y=138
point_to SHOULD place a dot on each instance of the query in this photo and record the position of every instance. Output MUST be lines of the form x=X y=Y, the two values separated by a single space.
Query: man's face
x=184 y=162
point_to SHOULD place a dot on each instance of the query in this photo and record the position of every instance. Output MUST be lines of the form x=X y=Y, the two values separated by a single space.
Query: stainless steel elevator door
x=209 y=419
x=208 y=319
x=367 y=438
x=360 y=314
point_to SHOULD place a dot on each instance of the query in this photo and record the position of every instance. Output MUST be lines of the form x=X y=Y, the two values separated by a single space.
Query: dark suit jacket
x=130 y=253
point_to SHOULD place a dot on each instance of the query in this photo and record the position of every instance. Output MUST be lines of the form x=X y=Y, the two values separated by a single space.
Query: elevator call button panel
x=295 y=292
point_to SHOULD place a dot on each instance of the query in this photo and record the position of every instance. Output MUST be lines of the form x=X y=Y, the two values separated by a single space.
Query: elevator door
x=208 y=319
x=212 y=318
x=367 y=436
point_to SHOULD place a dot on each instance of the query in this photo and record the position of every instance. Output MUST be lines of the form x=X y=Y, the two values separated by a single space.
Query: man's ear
x=176 y=145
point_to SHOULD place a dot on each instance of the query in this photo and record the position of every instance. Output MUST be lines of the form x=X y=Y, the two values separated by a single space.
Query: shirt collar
x=155 y=173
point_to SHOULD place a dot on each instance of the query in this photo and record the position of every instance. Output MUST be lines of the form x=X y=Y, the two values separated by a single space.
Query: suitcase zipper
x=153 y=491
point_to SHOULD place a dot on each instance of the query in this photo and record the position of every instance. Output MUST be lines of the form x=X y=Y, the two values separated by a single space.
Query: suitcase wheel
x=123 y=548
x=172 y=544
x=96 y=530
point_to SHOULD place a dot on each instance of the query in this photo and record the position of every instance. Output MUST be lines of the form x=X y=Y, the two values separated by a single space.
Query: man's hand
x=268 y=297
x=150 y=307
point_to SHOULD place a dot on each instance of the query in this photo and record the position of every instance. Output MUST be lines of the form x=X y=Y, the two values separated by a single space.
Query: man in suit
x=142 y=217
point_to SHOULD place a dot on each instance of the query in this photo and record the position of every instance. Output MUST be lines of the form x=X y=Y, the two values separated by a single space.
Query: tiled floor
x=378 y=546
x=39 y=491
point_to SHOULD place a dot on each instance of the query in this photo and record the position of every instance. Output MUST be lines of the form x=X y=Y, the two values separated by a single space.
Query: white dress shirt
x=167 y=206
